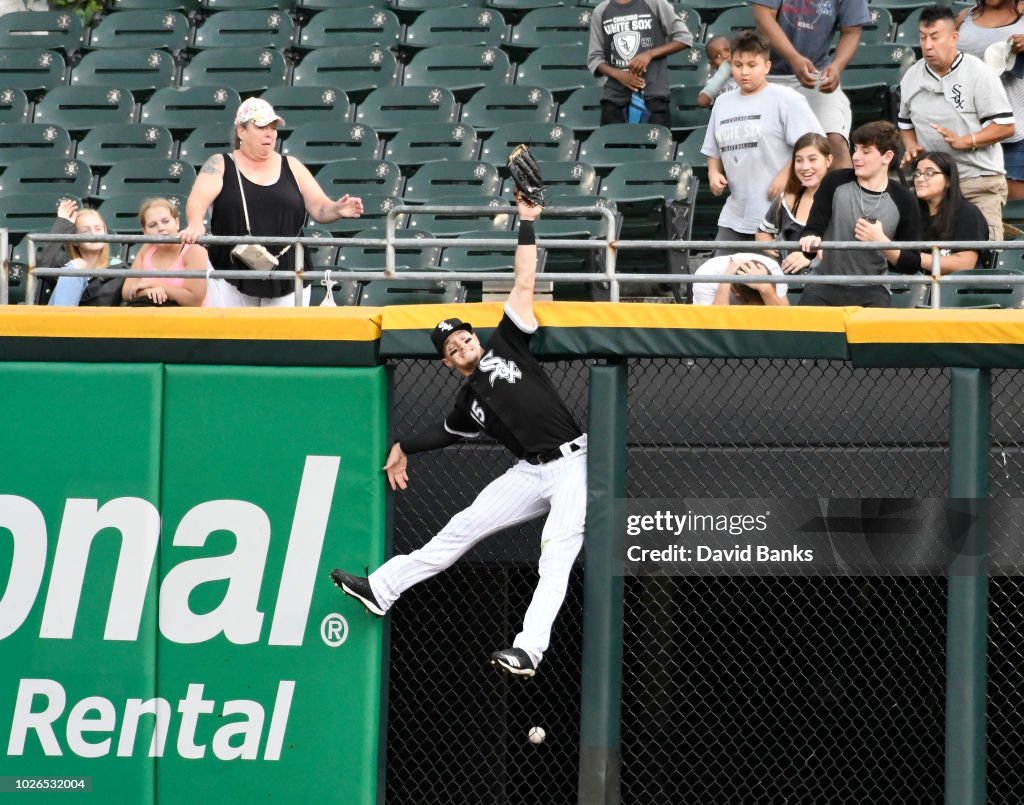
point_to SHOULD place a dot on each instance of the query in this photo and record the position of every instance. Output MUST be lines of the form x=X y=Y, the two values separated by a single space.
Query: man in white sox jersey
x=508 y=396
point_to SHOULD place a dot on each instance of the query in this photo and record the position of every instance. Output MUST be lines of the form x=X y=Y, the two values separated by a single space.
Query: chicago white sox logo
x=627 y=43
x=499 y=368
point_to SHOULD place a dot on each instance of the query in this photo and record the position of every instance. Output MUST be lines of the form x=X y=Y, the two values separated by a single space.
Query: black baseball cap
x=446 y=328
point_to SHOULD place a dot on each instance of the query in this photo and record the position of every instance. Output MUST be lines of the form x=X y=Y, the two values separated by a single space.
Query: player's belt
x=566 y=449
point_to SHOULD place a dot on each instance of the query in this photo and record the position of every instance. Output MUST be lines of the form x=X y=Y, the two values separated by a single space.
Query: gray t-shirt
x=811 y=25
x=753 y=136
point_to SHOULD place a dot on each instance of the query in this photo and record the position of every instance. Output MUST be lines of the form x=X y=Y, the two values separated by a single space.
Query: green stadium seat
x=307 y=8
x=205 y=141
x=20 y=141
x=685 y=114
x=357 y=70
x=374 y=258
x=483 y=258
x=562 y=69
x=611 y=145
x=694 y=24
x=299 y=105
x=360 y=176
x=257 y=28
x=24 y=212
x=169 y=30
x=184 y=6
x=182 y=110
x=14 y=106
x=392 y=109
x=376 y=207
x=453 y=224
x=417 y=145
x=250 y=70
x=109 y=144
x=562 y=178
x=447 y=178
x=463 y=69
x=730 y=22
x=247 y=5
x=581 y=111
x=157 y=177
x=907 y=30
x=708 y=206
x=554 y=25
x=456 y=25
x=515 y=10
x=871 y=78
x=688 y=68
x=710 y=10
x=319 y=256
x=82 y=108
x=321 y=143
x=549 y=141
x=493 y=106
x=879 y=30
x=381 y=293
x=900 y=9
x=351 y=26
x=121 y=212
x=67 y=177
x=579 y=227
x=994 y=294
x=32 y=71
x=54 y=30
x=908 y=296
x=408 y=10
x=140 y=71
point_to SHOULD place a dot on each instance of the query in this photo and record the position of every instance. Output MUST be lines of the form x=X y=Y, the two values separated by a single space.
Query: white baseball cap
x=258 y=111
x=1001 y=58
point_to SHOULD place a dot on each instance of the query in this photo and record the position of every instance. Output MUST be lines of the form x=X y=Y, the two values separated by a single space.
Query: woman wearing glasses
x=946 y=214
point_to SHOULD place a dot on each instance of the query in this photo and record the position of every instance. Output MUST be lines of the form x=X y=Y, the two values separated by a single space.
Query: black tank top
x=276 y=210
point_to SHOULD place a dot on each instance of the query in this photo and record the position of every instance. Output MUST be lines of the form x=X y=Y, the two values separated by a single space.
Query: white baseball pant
x=524 y=492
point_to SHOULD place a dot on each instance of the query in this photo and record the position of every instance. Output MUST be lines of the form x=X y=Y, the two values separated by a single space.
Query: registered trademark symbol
x=334 y=630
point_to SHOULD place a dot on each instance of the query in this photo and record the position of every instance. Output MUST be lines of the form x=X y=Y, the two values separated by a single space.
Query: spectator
x=85 y=291
x=742 y=264
x=862 y=204
x=750 y=139
x=787 y=215
x=801 y=37
x=55 y=253
x=951 y=101
x=159 y=216
x=994 y=29
x=278 y=192
x=629 y=43
x=946 y=214
x=718 y=51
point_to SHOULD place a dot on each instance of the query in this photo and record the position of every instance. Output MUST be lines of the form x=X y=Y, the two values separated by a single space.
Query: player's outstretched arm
x=396 y=467
x=520 y=299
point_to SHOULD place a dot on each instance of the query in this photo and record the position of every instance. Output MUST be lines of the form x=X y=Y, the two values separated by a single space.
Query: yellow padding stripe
x=936 y=327
x=248 y=324
x=610 y=314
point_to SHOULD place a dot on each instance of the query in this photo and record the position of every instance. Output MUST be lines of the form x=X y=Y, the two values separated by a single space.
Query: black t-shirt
x=510 y=397
x=968 y=224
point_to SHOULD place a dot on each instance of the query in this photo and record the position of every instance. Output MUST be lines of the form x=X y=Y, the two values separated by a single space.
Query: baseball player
x=507 y=395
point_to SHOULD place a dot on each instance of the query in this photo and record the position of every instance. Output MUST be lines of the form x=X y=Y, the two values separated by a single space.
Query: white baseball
x=536 y=735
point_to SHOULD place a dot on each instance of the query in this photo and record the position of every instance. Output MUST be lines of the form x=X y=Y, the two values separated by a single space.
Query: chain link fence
x=783 y=689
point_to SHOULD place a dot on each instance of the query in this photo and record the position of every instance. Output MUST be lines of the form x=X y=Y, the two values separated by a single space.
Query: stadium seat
x=392 y=109
x=321 y=143
x=357 y=70
x=515 y=10
x=579 y=227
x=611 y=145
x=258 y=28
x=447 y=178
x=205 y=141
x=157 y=177
x=907 y=296
x=351 y=26
x=14 y=106
x=900 y=9
x=181 y=110
x=694 y=24
x=121 y=212
x=299 y=105
x=251 y=71
x=307 y=8
x=685 y=114
x=994 y=294
x=20 y=141
x=30 y=211
x=184 y=6
x=381 y=293
x=319 y=256
x=688 y=68
x=482 y=258
x=376 y=207
x=559 y=68
x=463 y=69
x=456 y=25
x=444 y=224
x=247 y=5
x=871 y=78
x=54 y=30
x=562 y=178
x=360 y=176
x=879 y=30
x=555 y=25
x=169 y=30
x=907 y=32
x=707 y=206
x=374 y=258
x=109 y=144
x=581 y=111
x=32 y=71
x=730 y=22
x=415 y=145
x=494 y=106
x=549 y=141
x=710 y=10
x=408 y=10
x=141 y=71
x=68 y=177
x=82 y=108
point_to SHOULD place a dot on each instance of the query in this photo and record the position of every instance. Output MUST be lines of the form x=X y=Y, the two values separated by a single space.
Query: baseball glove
x=526 y=174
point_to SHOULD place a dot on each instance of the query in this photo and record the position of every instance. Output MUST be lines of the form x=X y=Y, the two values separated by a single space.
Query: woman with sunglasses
x=946 y=214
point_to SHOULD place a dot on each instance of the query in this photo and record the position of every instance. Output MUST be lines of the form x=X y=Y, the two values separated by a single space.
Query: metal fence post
x=601 y=673
x=967 y=586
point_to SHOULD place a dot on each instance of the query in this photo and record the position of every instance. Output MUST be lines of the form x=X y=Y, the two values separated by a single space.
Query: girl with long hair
x=83 y=255
x=159 y=216
x=946 y=214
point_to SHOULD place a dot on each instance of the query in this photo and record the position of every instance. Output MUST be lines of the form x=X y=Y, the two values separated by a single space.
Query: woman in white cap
x=256 y=190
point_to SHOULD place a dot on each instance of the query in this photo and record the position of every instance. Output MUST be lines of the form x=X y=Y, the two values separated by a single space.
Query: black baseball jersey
x=510 y=397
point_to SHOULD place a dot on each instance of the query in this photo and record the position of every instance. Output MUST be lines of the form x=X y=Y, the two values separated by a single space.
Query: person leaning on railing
x=75 y=291
x=159 y=216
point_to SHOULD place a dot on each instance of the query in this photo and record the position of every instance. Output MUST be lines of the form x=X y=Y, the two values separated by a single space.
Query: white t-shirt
x=704 y=292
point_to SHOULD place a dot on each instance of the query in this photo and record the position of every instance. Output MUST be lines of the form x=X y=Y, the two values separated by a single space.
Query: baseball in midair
x=536 y=735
